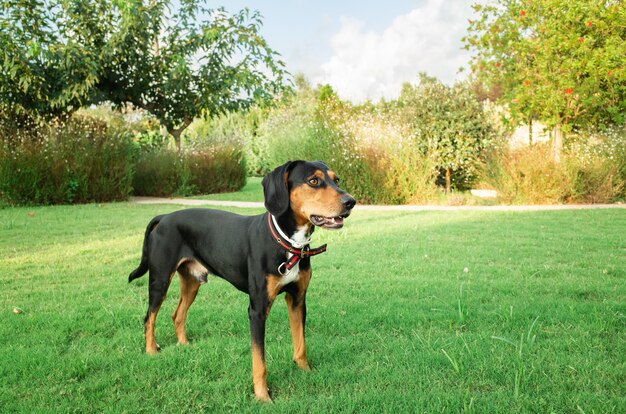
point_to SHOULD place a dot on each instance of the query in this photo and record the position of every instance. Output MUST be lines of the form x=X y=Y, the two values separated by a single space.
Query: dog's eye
x=314 y=181
x=336 y=180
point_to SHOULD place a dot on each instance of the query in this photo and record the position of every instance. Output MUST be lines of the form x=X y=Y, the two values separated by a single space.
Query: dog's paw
x=262 y=396
x=302 y=364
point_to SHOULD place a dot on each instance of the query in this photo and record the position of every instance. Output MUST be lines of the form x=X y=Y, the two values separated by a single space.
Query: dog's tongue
x=327 y=222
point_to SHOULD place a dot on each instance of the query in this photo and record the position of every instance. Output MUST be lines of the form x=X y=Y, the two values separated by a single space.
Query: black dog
x=262 y=255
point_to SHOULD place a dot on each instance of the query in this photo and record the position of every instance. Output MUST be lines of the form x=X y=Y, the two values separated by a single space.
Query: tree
x=450 y=125
x=177 y=60
x=44 y=71
x=559 y=61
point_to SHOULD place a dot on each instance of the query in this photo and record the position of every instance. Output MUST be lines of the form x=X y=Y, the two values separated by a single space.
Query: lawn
x=473 y=311
x=252 y=191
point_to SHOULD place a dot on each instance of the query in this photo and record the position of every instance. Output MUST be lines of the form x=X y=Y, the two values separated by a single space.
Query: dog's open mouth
x=329 y=222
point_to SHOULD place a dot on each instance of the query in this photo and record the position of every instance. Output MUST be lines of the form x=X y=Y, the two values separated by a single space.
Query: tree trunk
x=448 y=180
x=557 y=143
x=177 y=132
x=530 y=131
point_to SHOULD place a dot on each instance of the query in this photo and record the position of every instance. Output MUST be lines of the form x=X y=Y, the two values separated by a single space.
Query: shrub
x=595 y=180
x=287 y=131
x=451 y=126
x=369 y=151
x=215 y=169
x=596 y=165
x=82 y=160
x=205 y=166
x=529 y=175
x=237 y=129
x=163 y=173
x=157 y=172
x=381 y=160
x=526 y=175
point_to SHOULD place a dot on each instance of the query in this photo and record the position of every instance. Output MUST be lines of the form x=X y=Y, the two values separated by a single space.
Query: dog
x=262 y=255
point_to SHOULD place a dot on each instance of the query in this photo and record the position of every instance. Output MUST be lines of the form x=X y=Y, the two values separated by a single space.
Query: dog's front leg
x=257 y=312
x=296 y=306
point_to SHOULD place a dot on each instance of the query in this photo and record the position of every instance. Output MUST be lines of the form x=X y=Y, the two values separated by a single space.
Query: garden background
x=453 y=311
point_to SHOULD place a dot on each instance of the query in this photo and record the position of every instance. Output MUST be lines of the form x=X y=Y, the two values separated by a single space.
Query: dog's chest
x=293 y=274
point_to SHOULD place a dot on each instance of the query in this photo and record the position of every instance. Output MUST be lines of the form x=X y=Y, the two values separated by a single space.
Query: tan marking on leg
x=273 y=289
x=295 y=312
x=259 y=375
x=151 y=346
x=189 y=286
x=297 y=333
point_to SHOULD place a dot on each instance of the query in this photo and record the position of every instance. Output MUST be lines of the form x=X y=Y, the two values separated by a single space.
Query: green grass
x=492 y=312
x=252 y=191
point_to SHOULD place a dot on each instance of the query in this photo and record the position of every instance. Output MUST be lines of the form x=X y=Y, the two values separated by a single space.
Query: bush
x=201 y=169
x=596 y=165
x=237 y=129
x=215 y=169
x=526 y=176
x=450 y=125
x=157 y=172
x=372 y=155
x=592 y=181
x=98 y=156
x=529 y=175
x=82 y=160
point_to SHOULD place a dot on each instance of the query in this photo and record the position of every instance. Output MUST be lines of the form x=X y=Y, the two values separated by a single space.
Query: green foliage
x=529 y=176
x=599 y=171
x=101 y=155
x=526 y=176
x=206 y=169
x=176 y=61
x=83 y=160
x=559 y=61
x=157 y=173
x=389 y=153
x=49 y=63
x=450 y=125
x=215 y=169
x=305 y=127
x=234 y=128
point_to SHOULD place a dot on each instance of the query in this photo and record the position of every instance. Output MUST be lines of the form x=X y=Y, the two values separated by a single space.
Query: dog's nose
x=348 y=202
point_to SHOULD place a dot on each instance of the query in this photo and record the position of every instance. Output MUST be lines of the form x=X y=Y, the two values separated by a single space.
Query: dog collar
x=297 y=250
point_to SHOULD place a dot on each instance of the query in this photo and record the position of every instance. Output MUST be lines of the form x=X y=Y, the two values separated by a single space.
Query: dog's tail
x=143 y=265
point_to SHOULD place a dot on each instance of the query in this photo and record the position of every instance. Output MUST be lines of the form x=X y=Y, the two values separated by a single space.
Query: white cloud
x=370 y=65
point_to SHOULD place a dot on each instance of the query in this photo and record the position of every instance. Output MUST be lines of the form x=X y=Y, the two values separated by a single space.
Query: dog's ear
x=276 y=189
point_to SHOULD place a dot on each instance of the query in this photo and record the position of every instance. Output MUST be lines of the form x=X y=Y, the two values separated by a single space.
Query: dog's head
x=311 y=190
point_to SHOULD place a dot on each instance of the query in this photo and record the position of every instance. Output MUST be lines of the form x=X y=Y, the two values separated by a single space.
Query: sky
x=365 y=50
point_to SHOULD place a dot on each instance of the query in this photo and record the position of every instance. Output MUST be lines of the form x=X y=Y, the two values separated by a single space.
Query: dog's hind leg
x=189 y=286
x=159 y=283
